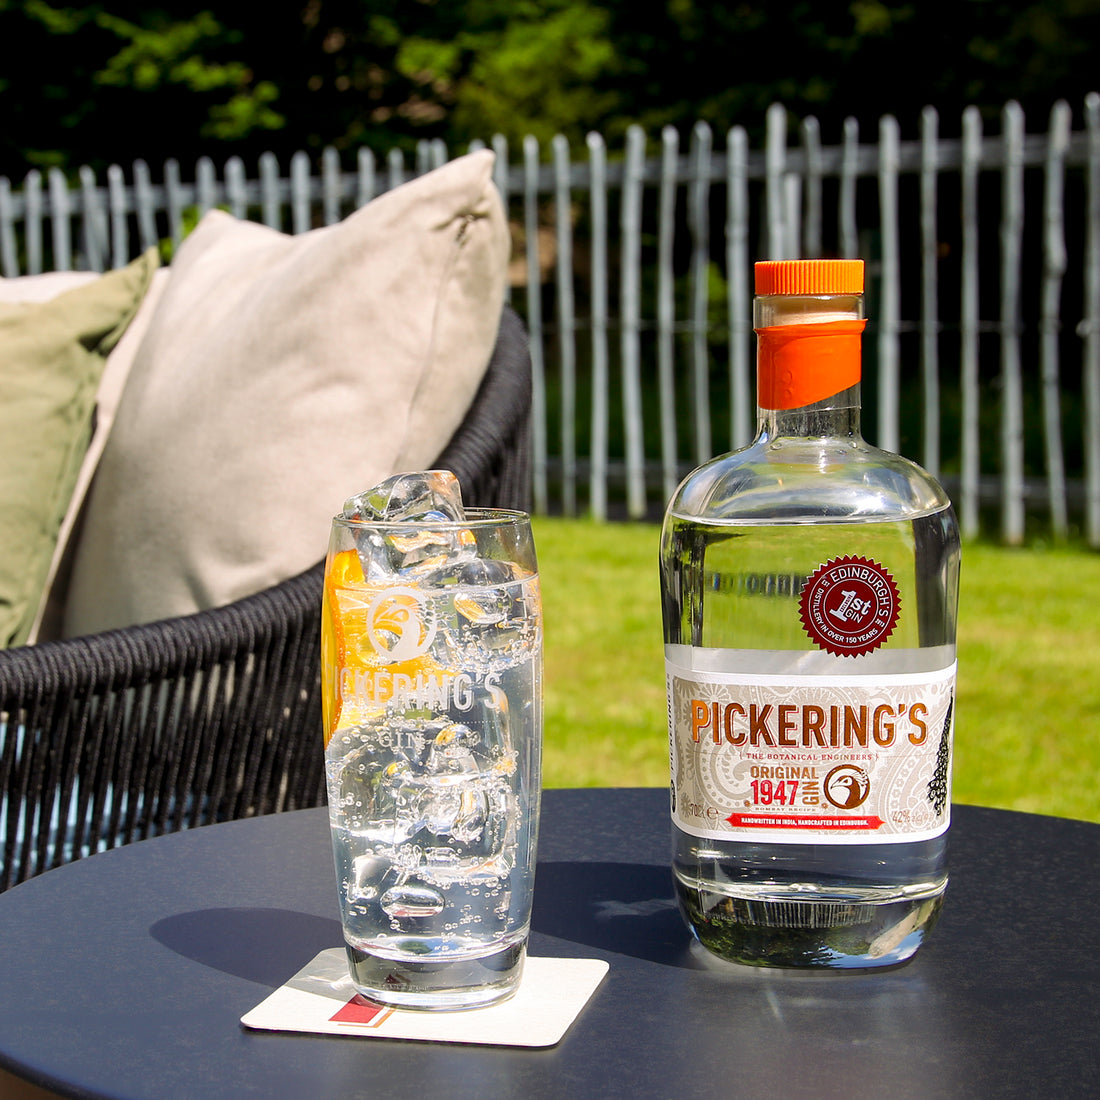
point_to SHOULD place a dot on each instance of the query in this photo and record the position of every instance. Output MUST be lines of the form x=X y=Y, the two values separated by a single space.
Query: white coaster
x=321 y=999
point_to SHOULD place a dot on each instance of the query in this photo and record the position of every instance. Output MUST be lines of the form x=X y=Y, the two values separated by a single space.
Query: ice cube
x=376 y=556
x=486 y=571
x=450 y=755
x=424 y=495
x=412 y=900
x=481 y=609
x=455 y=803
x=490 y=631
x=419 y=500
x=367 y=871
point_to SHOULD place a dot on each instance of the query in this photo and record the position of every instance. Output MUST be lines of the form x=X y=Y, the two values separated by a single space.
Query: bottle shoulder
x=800 y=480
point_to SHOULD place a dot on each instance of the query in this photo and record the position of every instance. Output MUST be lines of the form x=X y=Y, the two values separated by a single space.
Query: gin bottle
x=810 y=586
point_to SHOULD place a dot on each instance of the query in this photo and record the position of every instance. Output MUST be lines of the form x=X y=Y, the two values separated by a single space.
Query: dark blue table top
x=126 y=975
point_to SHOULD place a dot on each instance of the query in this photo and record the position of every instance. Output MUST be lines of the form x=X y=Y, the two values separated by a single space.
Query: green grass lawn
x=1028 y=705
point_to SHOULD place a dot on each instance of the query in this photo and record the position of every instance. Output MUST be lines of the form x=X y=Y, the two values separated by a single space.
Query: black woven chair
x=127 y=734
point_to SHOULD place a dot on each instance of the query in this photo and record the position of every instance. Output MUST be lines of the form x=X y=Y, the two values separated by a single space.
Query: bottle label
x=797 y=365
x=811 y=759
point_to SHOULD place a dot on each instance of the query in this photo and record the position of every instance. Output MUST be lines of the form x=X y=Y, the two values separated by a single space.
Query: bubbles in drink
x=433 y=759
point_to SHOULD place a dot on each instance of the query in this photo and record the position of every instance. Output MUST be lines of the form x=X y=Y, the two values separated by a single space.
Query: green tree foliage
x=726 y=63
x=109 y=80
x=534 y=71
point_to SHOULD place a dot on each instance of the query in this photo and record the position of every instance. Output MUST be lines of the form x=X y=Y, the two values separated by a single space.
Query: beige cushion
x=278 y=376
x=56 y=334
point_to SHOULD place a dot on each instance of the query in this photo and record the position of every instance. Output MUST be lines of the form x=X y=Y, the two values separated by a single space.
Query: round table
x=126 y=975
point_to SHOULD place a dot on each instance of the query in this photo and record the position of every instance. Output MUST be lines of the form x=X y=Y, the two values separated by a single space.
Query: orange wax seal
x=797 y=365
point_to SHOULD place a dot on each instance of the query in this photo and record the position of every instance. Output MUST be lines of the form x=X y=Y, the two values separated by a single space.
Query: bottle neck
x=836 y=417
x=808 y=365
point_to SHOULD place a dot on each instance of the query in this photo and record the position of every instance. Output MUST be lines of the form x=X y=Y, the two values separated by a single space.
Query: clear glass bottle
x=810 y=587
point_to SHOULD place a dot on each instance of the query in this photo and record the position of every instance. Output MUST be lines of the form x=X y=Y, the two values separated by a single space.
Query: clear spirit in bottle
x=810 y=587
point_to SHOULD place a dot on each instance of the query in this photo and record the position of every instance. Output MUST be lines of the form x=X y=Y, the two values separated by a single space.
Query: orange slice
x=346 y=644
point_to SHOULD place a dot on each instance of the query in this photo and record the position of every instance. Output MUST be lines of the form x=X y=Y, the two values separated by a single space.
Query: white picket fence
x=633 y=272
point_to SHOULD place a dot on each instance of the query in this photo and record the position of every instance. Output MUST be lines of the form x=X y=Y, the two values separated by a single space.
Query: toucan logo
x=397 y=626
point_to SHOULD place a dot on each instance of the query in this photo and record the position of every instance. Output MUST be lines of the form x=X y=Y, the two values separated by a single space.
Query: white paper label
x=811 y=759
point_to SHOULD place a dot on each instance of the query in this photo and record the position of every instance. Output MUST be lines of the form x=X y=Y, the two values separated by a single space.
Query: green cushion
x=51 y=357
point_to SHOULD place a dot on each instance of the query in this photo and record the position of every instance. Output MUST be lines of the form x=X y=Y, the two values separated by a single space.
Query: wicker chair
x=127 y=734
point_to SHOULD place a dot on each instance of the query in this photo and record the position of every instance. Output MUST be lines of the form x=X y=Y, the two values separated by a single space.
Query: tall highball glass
x=431 y=658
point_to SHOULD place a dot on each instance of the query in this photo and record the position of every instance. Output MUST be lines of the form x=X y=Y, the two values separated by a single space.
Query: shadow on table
x=624 y=908
x=627 y=908
x=248 y=943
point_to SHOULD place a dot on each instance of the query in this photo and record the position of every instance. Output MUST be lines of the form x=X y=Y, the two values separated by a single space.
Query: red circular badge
x=850 y=606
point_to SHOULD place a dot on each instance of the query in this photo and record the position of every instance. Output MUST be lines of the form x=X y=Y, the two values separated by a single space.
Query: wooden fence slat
x=500 y=165
x=666 y=306
x=206 y=185
x=792 y=217
x=889 y=310
x=364 y=177
x=567 y=322
x=270 y=205
x=116 y=204
x=970 y=451
x=598 y=447
x=1050 y=324
x=699 y=229
x=59 y=220
x=501 y=179
x=630 y=294
x=96 y=221
x=1091 y=326
x=330 y=186
x=1012 y=389
x=236 y=189
x=395 y=168
x=539 y=444
x=9 y=263
x=174 y=200
x=811 y=229
x=145 y=206
x=739 y=291
x=929 y=319
x=775 y=155
x=32 y=199
x=93 y=235
x=300 y=193
x=849 y=169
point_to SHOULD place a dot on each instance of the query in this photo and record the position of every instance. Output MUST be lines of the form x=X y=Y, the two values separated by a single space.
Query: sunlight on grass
x=1029 y=693
x=1028 y=709
x=605 y=689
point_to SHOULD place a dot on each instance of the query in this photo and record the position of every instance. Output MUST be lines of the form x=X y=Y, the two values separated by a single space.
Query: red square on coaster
x=361 y=1011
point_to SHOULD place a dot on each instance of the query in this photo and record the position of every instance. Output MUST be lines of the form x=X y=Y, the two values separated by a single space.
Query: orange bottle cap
x=809 y=277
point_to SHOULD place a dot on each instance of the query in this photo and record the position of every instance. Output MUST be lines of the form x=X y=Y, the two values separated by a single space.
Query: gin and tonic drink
x=431 y=665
